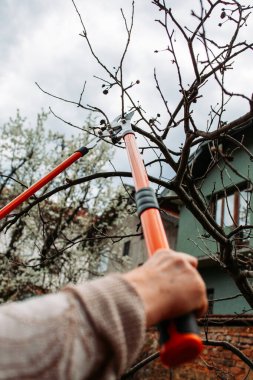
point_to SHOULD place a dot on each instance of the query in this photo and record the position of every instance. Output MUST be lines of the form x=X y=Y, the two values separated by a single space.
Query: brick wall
x=214 y=363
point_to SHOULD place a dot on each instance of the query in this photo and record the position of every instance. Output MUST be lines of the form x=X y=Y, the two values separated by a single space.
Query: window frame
x=210 y=297
x=126 y=248
x=241 y=239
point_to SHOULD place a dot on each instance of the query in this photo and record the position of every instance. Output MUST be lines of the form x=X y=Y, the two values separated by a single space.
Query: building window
x=126 y=248
x=231 y=210
x=103 y=263
x=210 y=296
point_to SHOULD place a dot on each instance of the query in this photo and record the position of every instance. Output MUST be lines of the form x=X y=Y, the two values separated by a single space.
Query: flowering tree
x=49 y=240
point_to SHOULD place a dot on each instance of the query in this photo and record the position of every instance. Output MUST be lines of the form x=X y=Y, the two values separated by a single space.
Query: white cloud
x=40 y=42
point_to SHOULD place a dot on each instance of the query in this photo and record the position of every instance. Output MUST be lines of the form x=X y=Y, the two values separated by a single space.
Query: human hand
x=169 y=286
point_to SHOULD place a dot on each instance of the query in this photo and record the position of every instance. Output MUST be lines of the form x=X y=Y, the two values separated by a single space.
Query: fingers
x=169 y=286
x=165 y=252
x=176 y=285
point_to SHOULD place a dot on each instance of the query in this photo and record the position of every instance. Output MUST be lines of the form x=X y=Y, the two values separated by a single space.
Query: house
x=227 y=188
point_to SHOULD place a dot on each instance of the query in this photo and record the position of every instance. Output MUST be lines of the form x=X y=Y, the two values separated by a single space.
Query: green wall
x=224 y=286
x=193 y=239
x=191 y=236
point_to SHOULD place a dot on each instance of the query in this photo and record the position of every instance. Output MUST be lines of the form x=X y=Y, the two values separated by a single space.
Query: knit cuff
x=117 y=315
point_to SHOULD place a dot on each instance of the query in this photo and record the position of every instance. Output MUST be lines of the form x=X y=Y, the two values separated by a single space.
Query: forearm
x=98 y=326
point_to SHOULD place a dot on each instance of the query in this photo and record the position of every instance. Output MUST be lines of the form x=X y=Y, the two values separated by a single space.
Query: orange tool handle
x=42 y=182
x=179 y=339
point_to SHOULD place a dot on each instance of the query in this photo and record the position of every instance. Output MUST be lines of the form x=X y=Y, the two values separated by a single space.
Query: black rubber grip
x=185 y=324
x=83 y=150
x=145 y=198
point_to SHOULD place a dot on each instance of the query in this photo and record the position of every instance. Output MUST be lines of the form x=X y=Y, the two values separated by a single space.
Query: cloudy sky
x=40 y=42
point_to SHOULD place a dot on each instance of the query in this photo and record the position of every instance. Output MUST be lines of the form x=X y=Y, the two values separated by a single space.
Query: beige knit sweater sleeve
x=90 y=331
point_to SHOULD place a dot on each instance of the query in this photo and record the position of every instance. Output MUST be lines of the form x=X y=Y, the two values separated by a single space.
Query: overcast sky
x=40 y=42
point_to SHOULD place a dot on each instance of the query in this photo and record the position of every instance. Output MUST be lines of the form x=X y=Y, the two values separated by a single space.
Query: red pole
x=42 y=182
x=180 y=340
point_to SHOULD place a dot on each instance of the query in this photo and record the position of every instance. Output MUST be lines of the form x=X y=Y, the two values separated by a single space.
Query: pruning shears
x=179 y=339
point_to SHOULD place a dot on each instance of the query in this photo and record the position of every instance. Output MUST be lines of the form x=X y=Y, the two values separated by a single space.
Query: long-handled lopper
x=179 y=339
x=43 y=181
